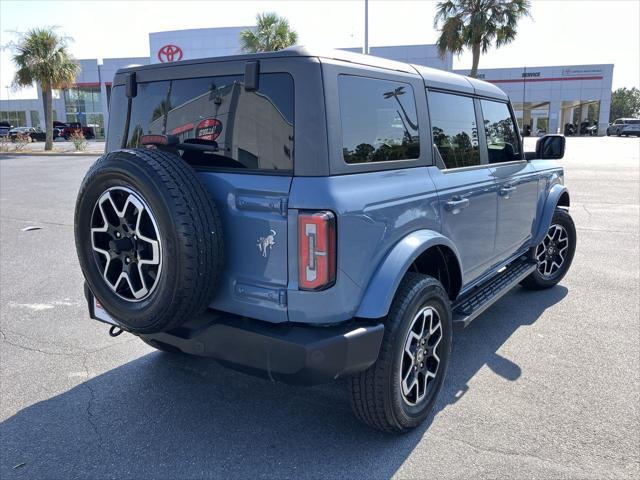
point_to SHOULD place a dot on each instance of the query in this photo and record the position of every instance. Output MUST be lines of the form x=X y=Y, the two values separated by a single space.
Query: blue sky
x=560 y=32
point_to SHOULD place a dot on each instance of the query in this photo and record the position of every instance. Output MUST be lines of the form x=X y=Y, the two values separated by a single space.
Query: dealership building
x=545 y=99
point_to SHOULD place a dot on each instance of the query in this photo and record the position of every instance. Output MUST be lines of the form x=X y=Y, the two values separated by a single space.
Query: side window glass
x=502 y=141
x=455 y=134
x=379 y=120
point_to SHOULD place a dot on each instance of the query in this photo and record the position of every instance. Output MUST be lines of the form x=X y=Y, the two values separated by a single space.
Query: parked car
x=624 y=126
x=65 y=130
x=593 y=130
x=4 y=130
x=310 y=216
x=35 y=134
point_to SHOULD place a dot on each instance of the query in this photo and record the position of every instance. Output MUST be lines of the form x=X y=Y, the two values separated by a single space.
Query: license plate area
x=97 y=312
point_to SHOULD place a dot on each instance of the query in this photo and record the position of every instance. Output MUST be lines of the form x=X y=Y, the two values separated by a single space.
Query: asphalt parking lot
x=543 y=385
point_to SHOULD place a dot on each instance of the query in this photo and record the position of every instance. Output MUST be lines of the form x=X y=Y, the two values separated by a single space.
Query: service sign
x=209 y=129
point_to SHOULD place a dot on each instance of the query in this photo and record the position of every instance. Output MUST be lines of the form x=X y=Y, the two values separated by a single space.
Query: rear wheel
x=398 y=392
x=554 y=254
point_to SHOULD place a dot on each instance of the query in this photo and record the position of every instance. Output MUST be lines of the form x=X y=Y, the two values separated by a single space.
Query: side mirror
x=550 y=147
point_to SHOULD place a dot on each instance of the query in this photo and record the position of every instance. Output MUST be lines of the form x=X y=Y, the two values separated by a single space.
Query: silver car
x=624 y=126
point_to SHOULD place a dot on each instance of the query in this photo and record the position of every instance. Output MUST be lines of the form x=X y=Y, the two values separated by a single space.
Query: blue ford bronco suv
x=308 y=216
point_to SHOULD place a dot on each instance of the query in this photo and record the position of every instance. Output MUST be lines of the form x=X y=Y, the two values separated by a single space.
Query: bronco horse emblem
x=265 y=244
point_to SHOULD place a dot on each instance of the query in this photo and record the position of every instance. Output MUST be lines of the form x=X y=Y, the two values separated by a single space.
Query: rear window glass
x=236 y=128
x=379 y=120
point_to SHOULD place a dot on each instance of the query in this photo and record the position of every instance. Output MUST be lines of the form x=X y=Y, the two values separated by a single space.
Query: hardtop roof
x=432 y=77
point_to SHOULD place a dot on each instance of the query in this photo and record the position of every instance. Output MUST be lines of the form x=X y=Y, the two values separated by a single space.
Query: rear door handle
x=454 y=206
x=505 y=191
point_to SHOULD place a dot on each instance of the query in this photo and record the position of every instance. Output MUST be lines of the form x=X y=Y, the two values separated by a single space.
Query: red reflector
x=316 y=250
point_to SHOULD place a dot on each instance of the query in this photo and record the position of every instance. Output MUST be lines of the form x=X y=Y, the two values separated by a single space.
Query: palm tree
x=271 y=33
x=477 y=24
x=41 y=57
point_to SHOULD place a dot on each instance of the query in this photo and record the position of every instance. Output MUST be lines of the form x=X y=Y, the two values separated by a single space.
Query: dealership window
x=502 y=140
x=84 y=105
x=35 y=118
x=455 y=134
x=379 y=120
x=242 y=129
x=15 y=118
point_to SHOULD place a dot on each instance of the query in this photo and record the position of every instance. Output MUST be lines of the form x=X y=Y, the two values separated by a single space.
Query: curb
x=52 y=154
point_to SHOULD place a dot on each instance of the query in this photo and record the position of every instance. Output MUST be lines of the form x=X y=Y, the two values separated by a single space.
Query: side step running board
x=482 y=297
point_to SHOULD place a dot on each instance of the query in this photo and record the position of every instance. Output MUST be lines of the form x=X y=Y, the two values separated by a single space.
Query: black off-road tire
x=376 y=395
x=188 y=229
x=536 y=280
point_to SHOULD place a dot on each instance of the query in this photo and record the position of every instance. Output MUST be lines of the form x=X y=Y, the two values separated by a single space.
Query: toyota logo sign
x=170 y=53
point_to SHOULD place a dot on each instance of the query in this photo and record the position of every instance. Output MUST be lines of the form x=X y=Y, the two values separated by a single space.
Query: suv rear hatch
x=242 y=141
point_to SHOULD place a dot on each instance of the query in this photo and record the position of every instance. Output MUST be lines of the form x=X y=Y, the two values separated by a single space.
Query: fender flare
x=547 y=213
x=382 y=287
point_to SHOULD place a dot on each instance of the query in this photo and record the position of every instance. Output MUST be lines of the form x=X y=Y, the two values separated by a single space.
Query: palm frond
x=481 y=23
x=41 y=56
x=271 y=33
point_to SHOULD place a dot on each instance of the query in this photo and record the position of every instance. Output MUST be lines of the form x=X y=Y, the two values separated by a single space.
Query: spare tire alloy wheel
x=126 y=242
x=420 y=360
x=551 y=253
x=148 y=238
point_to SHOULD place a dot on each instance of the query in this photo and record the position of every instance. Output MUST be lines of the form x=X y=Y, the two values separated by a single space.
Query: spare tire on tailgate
x=148 y=239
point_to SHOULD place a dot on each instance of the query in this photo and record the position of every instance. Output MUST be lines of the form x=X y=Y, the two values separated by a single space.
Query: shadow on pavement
x=167 y=416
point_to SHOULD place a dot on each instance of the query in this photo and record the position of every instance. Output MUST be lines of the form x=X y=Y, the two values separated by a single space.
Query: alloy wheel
x=126 y=243
x=552 y=252
x=420 y=357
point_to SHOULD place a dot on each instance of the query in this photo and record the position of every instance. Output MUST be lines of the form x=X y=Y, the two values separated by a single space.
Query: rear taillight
x=316 y=250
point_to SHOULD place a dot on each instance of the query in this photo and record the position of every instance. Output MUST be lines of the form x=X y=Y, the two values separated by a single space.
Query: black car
x=35 y=134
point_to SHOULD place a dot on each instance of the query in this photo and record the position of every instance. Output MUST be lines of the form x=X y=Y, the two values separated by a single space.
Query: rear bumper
x=295 y=354
x=291 y=353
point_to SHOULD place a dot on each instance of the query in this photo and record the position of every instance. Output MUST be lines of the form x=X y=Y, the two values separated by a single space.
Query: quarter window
x=502 y=140
x=455 y=134
x=379 y=120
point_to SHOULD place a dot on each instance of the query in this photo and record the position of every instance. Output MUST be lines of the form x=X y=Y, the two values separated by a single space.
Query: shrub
x=21 y=141
x=4 y=143
x=79 y=142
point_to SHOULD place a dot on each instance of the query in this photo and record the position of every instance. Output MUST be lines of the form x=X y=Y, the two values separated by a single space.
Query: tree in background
x=477 y=24
x=625 y=102
x=41 y=57
x=271 y=33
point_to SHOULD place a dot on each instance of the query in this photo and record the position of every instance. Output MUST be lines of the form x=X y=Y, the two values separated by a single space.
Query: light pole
x=366 y=27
